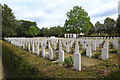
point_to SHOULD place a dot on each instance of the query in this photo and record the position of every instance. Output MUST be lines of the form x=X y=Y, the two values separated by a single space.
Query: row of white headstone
x=100 y=37
x=89 y=45
x=88 y=48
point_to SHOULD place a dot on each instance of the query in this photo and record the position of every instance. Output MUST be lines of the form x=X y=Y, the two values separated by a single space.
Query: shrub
x=68 y=62
x=56 y=56
x=113 y=51
x=72 y=50
x=94 y=35
x=96 y=55
x=84 y=53
x=111 y=46
x=104 y=34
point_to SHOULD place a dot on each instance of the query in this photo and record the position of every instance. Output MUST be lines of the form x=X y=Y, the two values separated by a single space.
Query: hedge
x=16 y=63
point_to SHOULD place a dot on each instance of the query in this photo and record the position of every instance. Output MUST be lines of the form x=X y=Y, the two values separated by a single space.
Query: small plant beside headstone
x=84 y=52
x=56 y=56
x=111 y=46
x=112 y=51
x=97 y=56
x=68 y=62
x=72 y=50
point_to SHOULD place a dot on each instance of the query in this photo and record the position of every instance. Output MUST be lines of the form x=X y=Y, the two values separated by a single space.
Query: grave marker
x=51 y=54
x=61 y=56
x=77 y=61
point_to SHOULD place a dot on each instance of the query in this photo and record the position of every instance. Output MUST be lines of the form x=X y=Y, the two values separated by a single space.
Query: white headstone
x=26 y=44
x=77 y=61
x=94 y=45
x=49 y=45
x=51 y=54
x=105 y=54
x=115 y=44
x=54 y=45
x=60 y=46
x=43 y=51
x=29 y=47
x=33 y=47
x=105 y=45
x=37 y=49
x=71 y=43
x=77 y=48
x=61 y=56
x=88 y=51
x=67 y=48
x=23 y=45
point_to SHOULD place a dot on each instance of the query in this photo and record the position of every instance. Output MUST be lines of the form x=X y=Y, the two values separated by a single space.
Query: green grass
x=87 y=61
x=25 y=64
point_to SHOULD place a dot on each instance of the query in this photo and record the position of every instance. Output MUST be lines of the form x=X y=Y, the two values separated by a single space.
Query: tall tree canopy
x=77 y=21
x=109 y=27
x=109 y=24
x=32 y=31
x=27 y=28
x=52 y=31
x=99 y=27
x=117 y=28
x=57 y=31
x=9 y=24
x=44 y=32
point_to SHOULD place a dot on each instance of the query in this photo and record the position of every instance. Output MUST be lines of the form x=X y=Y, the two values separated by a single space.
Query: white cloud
x=104 y=8
x=49 y=13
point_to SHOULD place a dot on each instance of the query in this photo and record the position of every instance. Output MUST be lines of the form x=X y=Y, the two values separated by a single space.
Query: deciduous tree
x=77 y=21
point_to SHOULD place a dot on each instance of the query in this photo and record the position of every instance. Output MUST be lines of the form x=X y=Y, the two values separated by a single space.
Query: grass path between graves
x=44 y=68
x=86 y=61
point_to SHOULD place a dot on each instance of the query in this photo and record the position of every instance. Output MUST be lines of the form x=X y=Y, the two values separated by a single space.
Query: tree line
x=77 y=22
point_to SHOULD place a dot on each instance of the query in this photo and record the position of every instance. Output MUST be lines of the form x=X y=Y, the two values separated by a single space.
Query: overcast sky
x=50 y=13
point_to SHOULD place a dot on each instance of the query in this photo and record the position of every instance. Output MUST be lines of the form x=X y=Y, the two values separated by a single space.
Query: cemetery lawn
x=86 y=61
x=44 y=68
